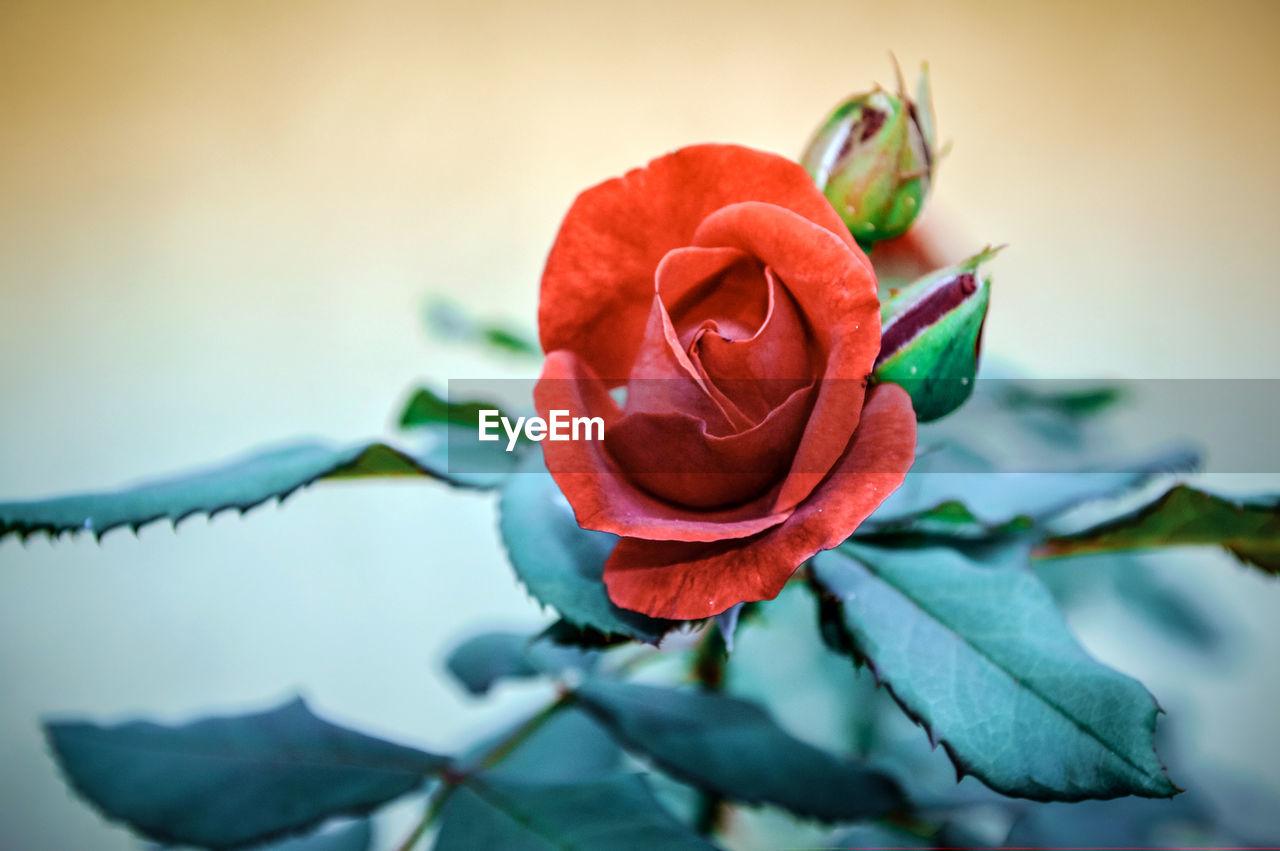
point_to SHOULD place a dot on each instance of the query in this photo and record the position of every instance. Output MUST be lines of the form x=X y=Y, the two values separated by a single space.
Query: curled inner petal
x=759 y=372
x=674 y=458
x=602 y=494
x=723 y=288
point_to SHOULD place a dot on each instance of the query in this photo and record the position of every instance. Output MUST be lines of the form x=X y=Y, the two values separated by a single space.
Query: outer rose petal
x=602 y=496
x=685 y=581
x=599 y=278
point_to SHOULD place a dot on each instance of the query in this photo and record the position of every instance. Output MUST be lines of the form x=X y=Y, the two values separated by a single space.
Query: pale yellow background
x=218 y=223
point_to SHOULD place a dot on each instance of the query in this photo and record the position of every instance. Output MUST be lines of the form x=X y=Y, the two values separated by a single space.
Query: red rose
x=719 y=287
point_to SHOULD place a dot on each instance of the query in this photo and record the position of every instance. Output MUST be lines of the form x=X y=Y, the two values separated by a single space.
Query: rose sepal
x=931 y=336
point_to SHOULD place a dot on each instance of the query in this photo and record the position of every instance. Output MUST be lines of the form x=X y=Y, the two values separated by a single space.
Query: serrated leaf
x=453 y=444
x=733 y=748
x=483 y=660
x=229 y=782
x=1185 y=516
x=239 y=483
x=564 y=634
x=981 y=656
x=559 y=562
x=618 y=813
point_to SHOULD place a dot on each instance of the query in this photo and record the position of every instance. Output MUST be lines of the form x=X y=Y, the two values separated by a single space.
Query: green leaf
x=425 y=408
x=980 y=655
x=618 y=813
x=240 y=483
x=565 y=634
x=950 y=520
x=454 y=444
x=1185 y=516
x=1074 y=403
x=1127 y=823
x=885 y=837
x=356 y=836
x=561 y=563
x=996 y=498
x=1180 y=614
x=235 y=781
x=451 y=322
x=733 y=748
x=1142 y=590
x=570 y=746
x=482 y=660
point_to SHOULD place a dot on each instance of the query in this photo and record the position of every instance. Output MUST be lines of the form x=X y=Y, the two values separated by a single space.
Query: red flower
x=719 y=287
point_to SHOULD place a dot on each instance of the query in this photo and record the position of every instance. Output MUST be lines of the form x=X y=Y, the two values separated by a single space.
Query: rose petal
x=835 y=287
x=599 y=277
x=760 y=372
x=674 y=458
x=601 y=495
x=686 y=581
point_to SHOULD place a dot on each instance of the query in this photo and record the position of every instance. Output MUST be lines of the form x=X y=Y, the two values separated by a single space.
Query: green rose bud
x=931 y=334
x=873 y=159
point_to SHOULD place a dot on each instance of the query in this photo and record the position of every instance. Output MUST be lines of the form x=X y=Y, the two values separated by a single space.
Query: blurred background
x=219 y=224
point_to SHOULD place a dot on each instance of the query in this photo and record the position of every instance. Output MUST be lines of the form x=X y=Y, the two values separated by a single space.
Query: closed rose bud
x=931 y=334
x=873 y=159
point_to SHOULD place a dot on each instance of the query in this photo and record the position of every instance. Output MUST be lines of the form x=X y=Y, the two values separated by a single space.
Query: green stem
x=517 y=737
x=451 y=780
x=709 y=660
x=438 y=798
x=708 y=669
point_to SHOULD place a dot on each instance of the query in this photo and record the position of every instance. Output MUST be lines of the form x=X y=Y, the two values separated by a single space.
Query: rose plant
x=766 y=462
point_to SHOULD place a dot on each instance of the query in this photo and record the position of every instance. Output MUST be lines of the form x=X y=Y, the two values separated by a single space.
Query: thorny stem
x=438 y=798
x=709 y=663
x=451 y=779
